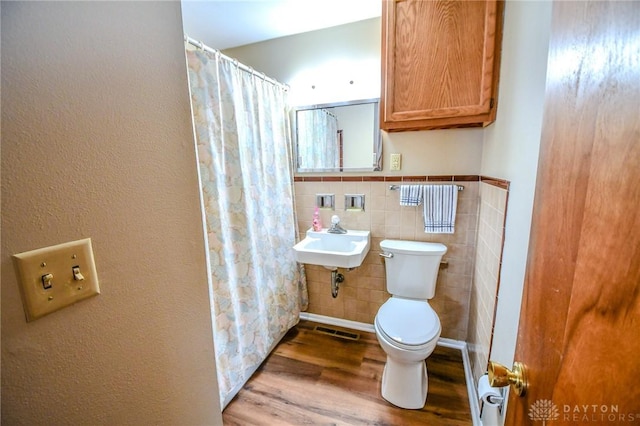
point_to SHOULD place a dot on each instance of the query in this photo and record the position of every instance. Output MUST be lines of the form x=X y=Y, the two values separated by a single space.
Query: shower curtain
x=318 y=141
x=244 y=152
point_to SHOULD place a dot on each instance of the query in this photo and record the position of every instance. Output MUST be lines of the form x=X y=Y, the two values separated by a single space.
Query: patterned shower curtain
x=318 y=142
x=244 y=152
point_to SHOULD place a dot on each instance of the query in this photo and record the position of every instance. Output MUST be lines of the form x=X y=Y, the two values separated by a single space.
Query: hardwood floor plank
x=312 y=378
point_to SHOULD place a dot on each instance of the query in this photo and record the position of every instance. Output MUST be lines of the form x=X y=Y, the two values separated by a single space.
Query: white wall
x=330 y=59
x=510 y=152
x=435 y=152
x=336 y=64
x=97 y=142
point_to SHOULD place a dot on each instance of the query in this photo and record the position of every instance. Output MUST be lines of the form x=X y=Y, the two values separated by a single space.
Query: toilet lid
x=409 y=322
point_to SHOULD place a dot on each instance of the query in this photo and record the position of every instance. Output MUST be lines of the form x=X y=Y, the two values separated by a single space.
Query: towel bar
x=396 y=187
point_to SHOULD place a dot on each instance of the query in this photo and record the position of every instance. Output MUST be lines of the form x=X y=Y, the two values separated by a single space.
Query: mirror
x=338 y=137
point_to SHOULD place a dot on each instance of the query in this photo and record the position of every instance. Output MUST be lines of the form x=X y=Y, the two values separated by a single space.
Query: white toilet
x=406 y=326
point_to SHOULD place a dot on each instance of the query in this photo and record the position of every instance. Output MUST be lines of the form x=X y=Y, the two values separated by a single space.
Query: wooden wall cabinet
x=440 y=63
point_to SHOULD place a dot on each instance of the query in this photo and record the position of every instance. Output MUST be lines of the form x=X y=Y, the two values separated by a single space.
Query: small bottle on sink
x=317 y=223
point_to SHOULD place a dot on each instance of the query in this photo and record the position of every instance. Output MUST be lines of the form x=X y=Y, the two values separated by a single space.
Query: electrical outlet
x=396 y=161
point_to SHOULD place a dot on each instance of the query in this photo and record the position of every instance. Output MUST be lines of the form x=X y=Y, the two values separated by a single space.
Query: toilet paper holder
x=488 y=393
x=500 y=376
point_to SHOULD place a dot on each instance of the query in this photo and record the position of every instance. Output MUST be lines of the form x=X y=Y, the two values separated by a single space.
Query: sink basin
x=333 y=250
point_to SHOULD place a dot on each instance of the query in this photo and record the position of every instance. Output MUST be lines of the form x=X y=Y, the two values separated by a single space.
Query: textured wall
x=97 y=142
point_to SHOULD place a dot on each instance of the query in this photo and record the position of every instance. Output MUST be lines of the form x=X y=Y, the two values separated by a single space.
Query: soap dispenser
x=317 y=223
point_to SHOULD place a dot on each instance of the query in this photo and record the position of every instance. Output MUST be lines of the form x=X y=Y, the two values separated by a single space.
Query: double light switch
x=57 y=276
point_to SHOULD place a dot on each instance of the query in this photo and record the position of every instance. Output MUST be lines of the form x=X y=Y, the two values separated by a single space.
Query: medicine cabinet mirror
x=338 y=137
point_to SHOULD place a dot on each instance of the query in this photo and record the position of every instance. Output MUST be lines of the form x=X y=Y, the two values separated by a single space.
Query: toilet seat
x=409 y=324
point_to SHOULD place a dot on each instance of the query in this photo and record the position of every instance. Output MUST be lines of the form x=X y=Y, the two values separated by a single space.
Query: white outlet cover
x=396 y=160
x=65 y=289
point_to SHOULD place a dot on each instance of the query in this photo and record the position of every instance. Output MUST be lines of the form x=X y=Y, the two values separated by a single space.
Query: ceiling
x=223 y=24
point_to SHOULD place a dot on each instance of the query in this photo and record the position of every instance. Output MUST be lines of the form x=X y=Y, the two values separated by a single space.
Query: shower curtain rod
x=326 y=111
x=240 y=65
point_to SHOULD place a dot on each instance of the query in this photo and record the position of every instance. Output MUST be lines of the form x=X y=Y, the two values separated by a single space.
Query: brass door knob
x=500 y=376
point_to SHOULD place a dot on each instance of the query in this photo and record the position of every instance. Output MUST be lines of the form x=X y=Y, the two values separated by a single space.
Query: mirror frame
x=376 y=166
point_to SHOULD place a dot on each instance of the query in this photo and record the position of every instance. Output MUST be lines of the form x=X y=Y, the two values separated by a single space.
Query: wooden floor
x=317 y=379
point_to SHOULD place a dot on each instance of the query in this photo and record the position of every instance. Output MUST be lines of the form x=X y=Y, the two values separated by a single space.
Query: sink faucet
x=335 y=226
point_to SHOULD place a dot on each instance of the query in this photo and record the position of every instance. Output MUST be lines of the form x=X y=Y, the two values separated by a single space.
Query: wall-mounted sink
x=333 y=250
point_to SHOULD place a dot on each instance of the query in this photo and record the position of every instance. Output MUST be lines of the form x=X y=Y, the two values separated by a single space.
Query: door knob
x=500 y=376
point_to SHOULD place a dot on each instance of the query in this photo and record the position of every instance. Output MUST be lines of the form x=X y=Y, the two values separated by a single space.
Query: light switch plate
x=47 y=279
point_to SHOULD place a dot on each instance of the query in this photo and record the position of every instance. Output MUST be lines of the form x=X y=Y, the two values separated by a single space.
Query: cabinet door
x=440 y=63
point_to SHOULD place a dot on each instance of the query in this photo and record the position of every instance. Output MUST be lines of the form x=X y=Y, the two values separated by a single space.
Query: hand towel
x=411 y=195
x=439 y=210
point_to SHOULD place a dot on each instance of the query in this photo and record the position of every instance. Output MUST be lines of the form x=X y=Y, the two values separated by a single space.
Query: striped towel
x=440 y=203
x=411 y=195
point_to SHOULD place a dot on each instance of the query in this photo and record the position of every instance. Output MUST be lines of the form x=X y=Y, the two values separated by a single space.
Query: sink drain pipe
x=336 y=279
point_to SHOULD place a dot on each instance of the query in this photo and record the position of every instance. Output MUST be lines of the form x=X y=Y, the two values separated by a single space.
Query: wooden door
x=579 y=332
x=440 y=63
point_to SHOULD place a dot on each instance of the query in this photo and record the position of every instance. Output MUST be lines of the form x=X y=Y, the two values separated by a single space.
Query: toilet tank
x=412 y=269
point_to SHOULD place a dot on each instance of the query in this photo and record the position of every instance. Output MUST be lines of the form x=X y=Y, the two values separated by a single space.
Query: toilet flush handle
x=387 y=255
